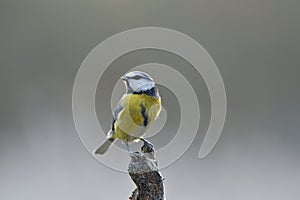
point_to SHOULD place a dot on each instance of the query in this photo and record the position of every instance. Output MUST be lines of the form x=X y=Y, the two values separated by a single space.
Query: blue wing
x=118 y=109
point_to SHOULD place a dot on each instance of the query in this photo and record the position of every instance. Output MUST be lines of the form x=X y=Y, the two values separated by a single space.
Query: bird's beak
x=124 y=78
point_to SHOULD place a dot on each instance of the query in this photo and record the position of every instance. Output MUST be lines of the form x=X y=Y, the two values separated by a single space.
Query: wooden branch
x=143 y=170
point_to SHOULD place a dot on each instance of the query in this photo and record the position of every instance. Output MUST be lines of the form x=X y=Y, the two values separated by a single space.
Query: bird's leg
x=127 y=146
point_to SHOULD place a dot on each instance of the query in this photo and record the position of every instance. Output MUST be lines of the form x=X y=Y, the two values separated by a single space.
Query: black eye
x=137 y=77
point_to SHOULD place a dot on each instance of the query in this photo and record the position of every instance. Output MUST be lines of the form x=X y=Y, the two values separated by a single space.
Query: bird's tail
x=104 y=146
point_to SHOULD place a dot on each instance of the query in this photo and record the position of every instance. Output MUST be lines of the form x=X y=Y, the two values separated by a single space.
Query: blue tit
x=136 y=111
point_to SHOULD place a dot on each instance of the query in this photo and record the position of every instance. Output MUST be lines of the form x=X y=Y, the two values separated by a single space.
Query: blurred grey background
x=254 y=43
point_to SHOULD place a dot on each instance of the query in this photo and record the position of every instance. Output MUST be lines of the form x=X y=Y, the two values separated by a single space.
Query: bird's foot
x=147 y=147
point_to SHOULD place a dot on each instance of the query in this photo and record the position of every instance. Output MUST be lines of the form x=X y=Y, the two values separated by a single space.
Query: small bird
x=136 y=111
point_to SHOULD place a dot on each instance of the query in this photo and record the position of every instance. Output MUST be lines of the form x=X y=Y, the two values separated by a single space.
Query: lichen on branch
x=143 y=170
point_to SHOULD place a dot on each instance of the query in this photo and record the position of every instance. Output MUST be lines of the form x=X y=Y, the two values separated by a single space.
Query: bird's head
x=137 y=81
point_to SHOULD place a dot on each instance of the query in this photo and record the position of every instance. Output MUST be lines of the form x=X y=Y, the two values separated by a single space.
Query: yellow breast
x=130 y=124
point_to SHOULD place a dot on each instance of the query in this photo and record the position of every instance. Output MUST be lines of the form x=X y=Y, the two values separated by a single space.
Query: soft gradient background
x=255 y=44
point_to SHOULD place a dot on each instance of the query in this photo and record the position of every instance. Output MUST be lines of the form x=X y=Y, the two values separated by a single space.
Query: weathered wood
x=143 y=170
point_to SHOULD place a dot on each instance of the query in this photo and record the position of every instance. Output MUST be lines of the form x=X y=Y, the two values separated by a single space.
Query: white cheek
x=141 y=84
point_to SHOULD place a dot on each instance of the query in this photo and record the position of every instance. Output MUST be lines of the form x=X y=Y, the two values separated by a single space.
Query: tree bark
x=143 y=170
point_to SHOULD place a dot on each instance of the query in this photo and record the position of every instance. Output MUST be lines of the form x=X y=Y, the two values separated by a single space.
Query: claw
x=147 y=147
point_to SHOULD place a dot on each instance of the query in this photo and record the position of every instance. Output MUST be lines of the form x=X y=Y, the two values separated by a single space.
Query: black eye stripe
x=137 y=77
